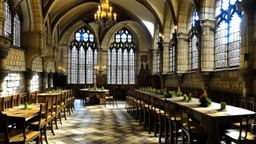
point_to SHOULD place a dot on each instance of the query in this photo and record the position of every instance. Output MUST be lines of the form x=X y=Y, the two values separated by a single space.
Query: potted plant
x=204 y=100
x=189 y=96
x=185 y=97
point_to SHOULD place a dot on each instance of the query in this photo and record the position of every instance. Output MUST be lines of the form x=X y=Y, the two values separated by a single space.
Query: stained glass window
x=121 y=59
x=82 y=58
x=227 y=34
x=158 y=62
x=8 y=19
x=16 y=30
x=193 y=43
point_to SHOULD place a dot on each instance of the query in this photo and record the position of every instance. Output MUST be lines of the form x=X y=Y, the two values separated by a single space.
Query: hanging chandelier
x=104 y=17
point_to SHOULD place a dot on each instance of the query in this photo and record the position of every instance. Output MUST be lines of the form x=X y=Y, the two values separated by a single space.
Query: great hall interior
x=127 y=71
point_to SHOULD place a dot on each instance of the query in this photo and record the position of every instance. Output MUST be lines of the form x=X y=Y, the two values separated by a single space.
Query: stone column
x=166 y=58
x=247 y=52
x=50 y=80
x=182 y=53
x=45 y=80
x=28 y=76
x=207 y=45
x=154 y=60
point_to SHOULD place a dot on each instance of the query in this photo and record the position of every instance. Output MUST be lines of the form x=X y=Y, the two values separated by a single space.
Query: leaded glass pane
x=113 y=67
x=95 y=63
x=193 y=52
x=89 y=66
x=78 y=36
x=8 y=17
x=86 y=58
x=234 y=41
x=125 y=67
x=121 y=59
x=109 y=67
x=119 y=66
x=131 y=67
x=74 y=65
x=227 y=35
x=172 y=58
x=16 y=31
x=124 y=37
x=69 y=65
x=221 y=45
x=81 y=66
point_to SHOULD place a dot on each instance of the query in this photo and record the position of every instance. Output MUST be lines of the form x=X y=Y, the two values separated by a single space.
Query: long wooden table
x=44 y=97
x=101 y=94
x=21 y=112
x=210 y=117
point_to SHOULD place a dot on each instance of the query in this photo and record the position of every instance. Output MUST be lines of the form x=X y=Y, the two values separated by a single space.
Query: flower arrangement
x=179 y=93
x=102 y=88
x=162 y=92
x=189 y=96
x=204 y=100
x=89 y=88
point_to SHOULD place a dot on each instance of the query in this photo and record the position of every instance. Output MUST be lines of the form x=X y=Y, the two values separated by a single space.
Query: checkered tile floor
x=100 y=125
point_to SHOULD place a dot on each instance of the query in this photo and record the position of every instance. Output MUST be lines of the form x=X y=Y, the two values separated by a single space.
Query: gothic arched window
x=172 y=52
x=121 y=59
x=193 y=52
x=8 y=19
x=16 y=30
x=227 y=34
x=82 y=58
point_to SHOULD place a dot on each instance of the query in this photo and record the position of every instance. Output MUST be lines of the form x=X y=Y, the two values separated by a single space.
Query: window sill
x=225 y=69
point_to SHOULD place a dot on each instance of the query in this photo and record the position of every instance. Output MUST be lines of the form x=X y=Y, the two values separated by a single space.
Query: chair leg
x=166 y=130
x=160 y=130
x=149 y=122
x=176 y=134
x=52 y=127
x=45 y=135
x=60 y=118
x=65 y=116
x=56 y=122
x=155 y=125
x=41 y=136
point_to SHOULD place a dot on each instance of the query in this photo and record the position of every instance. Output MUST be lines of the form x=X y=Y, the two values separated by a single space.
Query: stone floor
x=100 y=125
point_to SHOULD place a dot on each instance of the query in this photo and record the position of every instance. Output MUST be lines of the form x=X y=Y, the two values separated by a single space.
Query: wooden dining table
x=44 y=97
x=21 y=112
x=211 y=117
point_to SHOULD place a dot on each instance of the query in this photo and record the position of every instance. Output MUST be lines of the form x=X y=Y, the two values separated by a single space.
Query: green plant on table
x=189 y=96
x=185 y=97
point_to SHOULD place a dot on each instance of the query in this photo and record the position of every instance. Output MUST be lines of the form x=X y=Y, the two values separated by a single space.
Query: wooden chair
x=18 y=135
x=240 y=136
x=39 y=123
x=6 y=102
x=22 y=98
x=32 y=97
x=174 y=121
x=111 y=99
x=191 y=131
x=15 y=100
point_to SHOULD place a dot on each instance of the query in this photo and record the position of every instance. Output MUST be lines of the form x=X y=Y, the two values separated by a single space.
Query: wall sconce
x=61 y=69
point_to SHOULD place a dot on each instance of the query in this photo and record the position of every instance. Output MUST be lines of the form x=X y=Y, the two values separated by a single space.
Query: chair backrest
x=250 y=103
x=3 y=128
x=241 y=102
x=172 y=110
x=185 y=123
x=32 y=97
x=15 y=100
x=7 y=102
x=22 y=98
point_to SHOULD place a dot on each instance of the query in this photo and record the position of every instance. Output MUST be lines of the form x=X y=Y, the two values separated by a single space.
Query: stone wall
x=50 y=67
x=14 y=83
x=15 y=60
x=224 y=81
x=37 y=64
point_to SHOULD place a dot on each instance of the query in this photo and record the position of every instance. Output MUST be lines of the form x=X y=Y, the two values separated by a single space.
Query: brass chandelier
x=104 y=16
